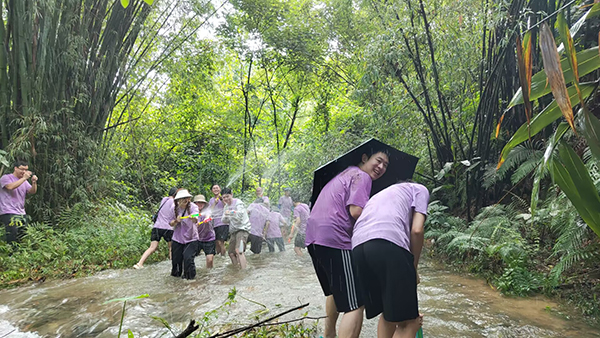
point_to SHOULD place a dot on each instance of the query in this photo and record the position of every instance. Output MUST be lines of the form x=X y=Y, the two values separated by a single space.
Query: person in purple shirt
x=13 y=190
x=206 y=233
x=185 y=236
x=286 y=205
x=258 y=215
x=161 y=228
x=301 y=214
x=386 y=246
x=260 y=198
x=273 y=229
x=328 y=238
x=215 y=207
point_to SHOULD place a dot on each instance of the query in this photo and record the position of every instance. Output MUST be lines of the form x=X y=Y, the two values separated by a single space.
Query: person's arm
x=175 y=222
x=267 y=225
x=14 y=185
x=355 y=211
x=33 y=188
x=295 y=228
x=417 y=235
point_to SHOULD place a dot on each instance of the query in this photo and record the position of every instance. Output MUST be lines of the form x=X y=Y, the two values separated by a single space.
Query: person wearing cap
x=161 y=228
x=13 y=190
x=185 y=235
x=206 y=233
x=236 y=216
x=261 y=198
x=301 y=213
x=258 y=215
x=273 y=230
x=215 y=205
x=286 y=205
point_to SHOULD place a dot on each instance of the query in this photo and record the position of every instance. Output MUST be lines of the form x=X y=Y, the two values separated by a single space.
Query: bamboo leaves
x=525 y=70
x=554 y=72
x=125 y=3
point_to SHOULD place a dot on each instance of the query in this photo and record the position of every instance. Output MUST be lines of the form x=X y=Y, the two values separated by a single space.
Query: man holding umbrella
x=340 y=191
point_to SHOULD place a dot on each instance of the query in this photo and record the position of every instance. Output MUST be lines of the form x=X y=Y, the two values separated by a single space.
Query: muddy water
x=454 y=305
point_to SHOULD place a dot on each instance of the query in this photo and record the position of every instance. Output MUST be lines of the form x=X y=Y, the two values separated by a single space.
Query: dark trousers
x=272 y=241
x=183 y=259
x=14 y=226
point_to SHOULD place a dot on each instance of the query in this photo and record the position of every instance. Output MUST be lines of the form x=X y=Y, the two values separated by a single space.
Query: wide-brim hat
x=183 y=193
x=199 y=198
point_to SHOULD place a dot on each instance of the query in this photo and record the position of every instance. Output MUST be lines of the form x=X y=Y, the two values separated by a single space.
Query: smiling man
x=14 y=188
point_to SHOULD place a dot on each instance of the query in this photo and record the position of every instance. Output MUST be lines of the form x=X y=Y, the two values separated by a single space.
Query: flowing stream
x=454 y=305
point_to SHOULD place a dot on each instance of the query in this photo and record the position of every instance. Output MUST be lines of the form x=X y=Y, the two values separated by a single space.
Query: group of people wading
x=365 y=250
x=190 y=225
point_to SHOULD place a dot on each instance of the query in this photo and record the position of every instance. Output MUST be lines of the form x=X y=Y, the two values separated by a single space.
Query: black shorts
x=255 y=243
x=335 y=272
x=389 y=280
x=207 y=247
x=299 y=241
x=14 y=226
x=158 y=233
x=222 y=233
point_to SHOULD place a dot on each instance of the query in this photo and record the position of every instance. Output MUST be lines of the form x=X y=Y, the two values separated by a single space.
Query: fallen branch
x=192 y=326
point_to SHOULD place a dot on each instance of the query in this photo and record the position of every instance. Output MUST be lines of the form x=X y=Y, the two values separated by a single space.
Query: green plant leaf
x=149 y=2
x=594 y=11
x=124 y=3
x=129 y=334
x=591 y=132
x=587 y=60
x=126 y=298
x=550 y=114
x=163 y=321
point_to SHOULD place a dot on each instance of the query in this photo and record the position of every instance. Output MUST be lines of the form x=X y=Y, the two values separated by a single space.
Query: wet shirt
x=275 y=221
x=303 y=212
x=330 y=223
x=206 y=232
x=187 y=230
x=236 y=216
x=286 y=204
x=216 y=211
x=258 y=215
x=388 y=214
x=12 y=201
x=166 y=214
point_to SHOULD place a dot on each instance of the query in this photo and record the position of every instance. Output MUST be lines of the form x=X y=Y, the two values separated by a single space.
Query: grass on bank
x=87 y=238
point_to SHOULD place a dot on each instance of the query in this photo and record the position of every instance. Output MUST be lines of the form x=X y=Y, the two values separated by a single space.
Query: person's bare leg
x=351 y=323
x=408 y=328
x=170 y=252
x=234 y=259
x=332 y=316
x=220 y=248
x=298 y=251
x=147 y=253
x=209 y=261
x=385 y=329
x=242 y=259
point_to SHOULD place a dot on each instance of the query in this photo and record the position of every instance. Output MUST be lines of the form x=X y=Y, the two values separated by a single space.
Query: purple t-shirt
x=275 y=220
x=388 y=214
x=286 y=204
x=166 y=214
x=330 y=223
x=303 y=212
x=206 y=232
x=186 y=231
x=216 y=211
x=258 y=215
x=12 y=201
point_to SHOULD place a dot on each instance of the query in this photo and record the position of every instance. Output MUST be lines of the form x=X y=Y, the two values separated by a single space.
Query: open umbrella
x=401 y=167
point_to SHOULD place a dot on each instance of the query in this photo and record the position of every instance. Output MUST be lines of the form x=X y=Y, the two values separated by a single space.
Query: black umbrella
x=401 y=167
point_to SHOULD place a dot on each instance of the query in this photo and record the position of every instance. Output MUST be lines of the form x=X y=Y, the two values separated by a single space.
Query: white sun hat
x=183 y=193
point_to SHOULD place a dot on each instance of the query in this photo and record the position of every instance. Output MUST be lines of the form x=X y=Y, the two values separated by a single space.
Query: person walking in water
x=161 y=228
x=386 y=246
x=273 y=230
x=260 y=198
x=328 y=237
x=215 y=205
x=206 y=233
x=13 y=190
x=286 y=205
x=258 y=215
x=301 y=214
x=185 y=236
x=236 y=216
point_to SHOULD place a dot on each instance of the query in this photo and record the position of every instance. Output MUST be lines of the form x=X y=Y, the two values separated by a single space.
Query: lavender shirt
x=12 y=201
x=216 y=211
x=303 y=212
x=166 y=214
x=388 y=215
x=275 y=220
x=206 y=233
x=286 y=204
x=330 y=223
x=186 y=231
x=258 y=215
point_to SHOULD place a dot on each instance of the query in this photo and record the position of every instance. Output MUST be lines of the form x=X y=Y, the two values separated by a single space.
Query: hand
x=178 y=219
x=418 y=277
x=34 y=179
x=27 y=174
